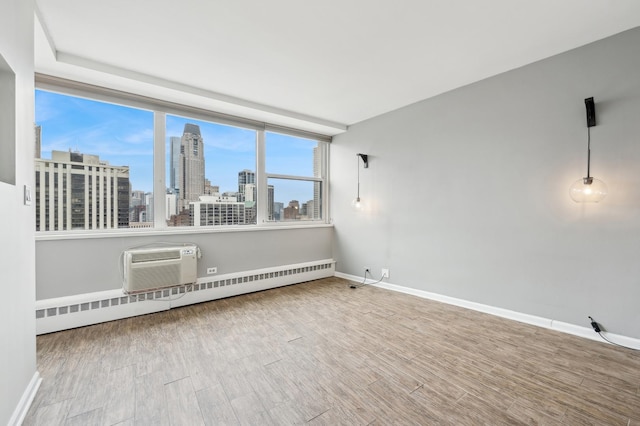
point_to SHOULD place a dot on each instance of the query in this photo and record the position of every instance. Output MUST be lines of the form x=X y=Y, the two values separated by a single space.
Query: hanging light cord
x=588 y=152
x=358 y=169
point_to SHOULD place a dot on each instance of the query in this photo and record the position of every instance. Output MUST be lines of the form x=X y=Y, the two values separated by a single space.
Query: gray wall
x=68 y=267
x=468 y=191
x=17 y=252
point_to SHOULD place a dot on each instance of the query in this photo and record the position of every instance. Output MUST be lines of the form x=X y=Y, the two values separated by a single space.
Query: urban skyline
x=123 y=136
x=77 y=188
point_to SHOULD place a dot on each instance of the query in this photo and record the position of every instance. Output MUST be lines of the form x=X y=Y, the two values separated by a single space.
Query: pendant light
x=357 y=202
x=588 y=189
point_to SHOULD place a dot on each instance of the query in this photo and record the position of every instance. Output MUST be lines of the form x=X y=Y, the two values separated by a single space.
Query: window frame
x=160 y=110
x=323 y=148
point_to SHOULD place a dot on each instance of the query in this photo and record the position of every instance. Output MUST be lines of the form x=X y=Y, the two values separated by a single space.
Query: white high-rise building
x=171 y=199
x=78 y=191
x=218 y=210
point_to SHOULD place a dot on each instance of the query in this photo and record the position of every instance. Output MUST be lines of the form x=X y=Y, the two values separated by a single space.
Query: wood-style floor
x=321 y=353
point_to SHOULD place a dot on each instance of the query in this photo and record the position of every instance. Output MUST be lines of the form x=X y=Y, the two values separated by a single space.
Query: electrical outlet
x=213 y=270
x=385 y=273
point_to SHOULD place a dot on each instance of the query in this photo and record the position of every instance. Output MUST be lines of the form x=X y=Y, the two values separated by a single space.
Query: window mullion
x=261 y=178
x=159 y=178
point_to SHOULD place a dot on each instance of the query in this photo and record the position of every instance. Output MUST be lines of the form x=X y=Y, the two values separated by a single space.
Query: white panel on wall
x=7 y=123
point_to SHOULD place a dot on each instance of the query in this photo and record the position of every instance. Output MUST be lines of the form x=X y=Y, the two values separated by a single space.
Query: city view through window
x=94 y=170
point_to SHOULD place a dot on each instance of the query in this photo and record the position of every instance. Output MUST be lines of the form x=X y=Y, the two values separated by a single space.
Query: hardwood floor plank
x=151 y=402
x=120 y=399
x=249 y=411
x=93 y=417
x=215 y=407
x=48 y=415
x=182 y=404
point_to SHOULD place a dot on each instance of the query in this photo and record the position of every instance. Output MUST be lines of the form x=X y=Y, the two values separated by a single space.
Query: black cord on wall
x=596 y=327
x=364 y=280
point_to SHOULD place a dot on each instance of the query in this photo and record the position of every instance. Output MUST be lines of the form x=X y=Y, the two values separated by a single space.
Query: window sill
x=120 y=233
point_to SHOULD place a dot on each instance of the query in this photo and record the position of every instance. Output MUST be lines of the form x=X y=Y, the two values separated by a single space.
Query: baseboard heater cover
x=92 y=308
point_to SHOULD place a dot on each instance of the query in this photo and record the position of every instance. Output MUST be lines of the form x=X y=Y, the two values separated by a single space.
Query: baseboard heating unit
x=63 y=313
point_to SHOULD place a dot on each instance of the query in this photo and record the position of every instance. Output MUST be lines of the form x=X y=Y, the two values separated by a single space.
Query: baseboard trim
x=25 y=401
x=64 y=313
x=551 y=324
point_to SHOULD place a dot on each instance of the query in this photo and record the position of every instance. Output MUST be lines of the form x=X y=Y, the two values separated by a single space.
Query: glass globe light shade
x=588 y=190
x=357 y=203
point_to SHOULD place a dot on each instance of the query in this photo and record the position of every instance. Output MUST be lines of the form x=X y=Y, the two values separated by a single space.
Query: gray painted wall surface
x=468 y=191
x=17 y=250
x=68 y=267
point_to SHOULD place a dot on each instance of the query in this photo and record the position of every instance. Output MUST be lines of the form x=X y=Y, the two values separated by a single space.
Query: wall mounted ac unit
x=154 y=268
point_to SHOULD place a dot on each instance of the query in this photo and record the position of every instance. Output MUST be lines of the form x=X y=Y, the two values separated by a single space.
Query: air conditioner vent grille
x=154 y=256
x=157 y=277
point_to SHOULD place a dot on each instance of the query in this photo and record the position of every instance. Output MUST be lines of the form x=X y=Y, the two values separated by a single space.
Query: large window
x=212 y=173
x=94 y=164
x=295 y=179
x=108 y=160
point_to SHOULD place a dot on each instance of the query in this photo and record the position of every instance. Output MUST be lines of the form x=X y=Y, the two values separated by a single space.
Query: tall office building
x=171 y=203
x=278 y=210
x=136 y=205
x=191 y=166
x=270 y=202
x=174 y=161
x=246 y=177
x=78 y=191
x=316 y=211
x=38 y=150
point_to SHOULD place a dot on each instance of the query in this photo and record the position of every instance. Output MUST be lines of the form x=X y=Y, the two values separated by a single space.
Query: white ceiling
x=319 y=66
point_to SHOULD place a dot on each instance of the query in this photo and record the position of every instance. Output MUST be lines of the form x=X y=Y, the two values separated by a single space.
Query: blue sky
x=123 y=136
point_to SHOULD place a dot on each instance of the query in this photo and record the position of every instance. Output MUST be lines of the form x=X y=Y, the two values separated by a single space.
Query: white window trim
x=160 y=109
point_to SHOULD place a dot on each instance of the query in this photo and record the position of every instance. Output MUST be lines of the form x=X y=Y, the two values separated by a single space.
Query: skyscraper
x=246 y=177
x=174 y=161
x=191 y=166
x=270 y=202
x=78 y=191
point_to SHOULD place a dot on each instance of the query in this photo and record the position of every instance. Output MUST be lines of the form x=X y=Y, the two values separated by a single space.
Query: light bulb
x=588 y=190
x=356 y=203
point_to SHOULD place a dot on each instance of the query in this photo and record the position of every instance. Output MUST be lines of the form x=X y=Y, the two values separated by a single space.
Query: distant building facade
x=78 y=191
x=174 y=162
x=246 y=185
x=221 y=210
x=292 y=212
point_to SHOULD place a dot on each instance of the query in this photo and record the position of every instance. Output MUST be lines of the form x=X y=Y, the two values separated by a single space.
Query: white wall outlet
x=213 y=270
x=385 y=273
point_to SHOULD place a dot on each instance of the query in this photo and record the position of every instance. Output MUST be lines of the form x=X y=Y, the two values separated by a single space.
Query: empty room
x=334 y=213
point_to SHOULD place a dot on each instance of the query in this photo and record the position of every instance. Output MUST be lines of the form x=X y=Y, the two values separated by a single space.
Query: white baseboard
x=25 y=401
x=551 y=324
x=63 y=313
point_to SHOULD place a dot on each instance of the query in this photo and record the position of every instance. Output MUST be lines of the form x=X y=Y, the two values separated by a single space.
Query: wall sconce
x=588 y=189
x=357 y=203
